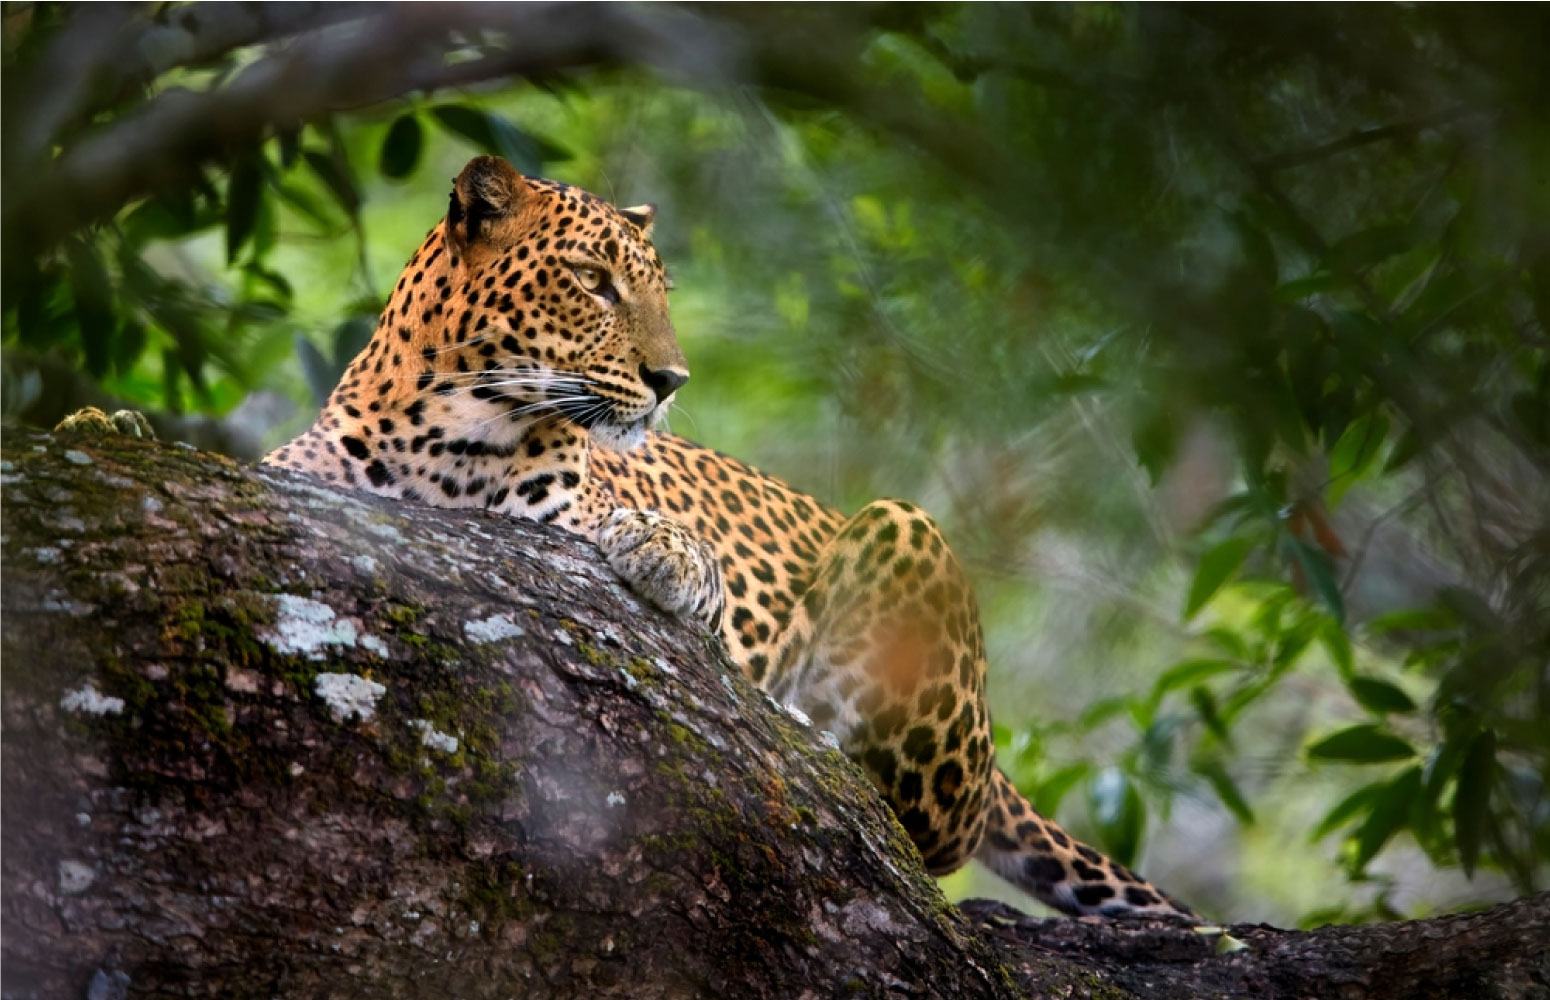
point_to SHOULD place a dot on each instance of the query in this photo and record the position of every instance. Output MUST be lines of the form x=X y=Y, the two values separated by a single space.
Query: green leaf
x=1102 y=711
x=1364 y=744
x=1118 y=813
x=1227 y=790
x=243 y=192
x=401 y=147
x=1390 y=814
x=1046 y=799
x=1472 y=799
x=1187 y=673
x=1353 y=453
x=1216 y=567
x=94 y=315
x=128 y=346
x=1318 y=570
x=1155 y=440
x=1314 y=284
x=1347 y=809
x=1205 y=707
x=1338 y=645
x=1379 y=695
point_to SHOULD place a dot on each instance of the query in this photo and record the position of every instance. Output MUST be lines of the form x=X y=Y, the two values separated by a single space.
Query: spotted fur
x=524 y=354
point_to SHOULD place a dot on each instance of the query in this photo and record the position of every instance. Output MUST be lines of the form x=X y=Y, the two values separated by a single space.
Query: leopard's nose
x=663 y=381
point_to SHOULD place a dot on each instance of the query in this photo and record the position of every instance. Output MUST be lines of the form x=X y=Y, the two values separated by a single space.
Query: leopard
x=522 y=364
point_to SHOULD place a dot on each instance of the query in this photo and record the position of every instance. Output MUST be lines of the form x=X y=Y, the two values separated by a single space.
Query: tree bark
x=263 y=738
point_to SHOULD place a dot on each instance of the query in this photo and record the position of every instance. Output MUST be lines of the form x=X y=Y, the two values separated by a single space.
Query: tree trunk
x=267 y=739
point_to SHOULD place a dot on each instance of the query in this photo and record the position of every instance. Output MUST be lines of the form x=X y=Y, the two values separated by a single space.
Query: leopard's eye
x=591 y=278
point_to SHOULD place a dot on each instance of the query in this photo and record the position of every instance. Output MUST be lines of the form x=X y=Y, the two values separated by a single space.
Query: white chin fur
x=614 y=437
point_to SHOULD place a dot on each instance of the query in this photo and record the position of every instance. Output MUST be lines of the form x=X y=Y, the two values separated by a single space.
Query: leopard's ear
x=487 y=192
x=643 y=216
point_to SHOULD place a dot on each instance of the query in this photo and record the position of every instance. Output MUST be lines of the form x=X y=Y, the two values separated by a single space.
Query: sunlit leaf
x=1217 y=566
x=1354 y=452
x=1472 y=799
x=1363 y=744
x=1189 y=672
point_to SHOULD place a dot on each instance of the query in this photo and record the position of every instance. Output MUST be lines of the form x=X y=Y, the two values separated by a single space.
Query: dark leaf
x=242 y=197
x=1155 y=440
x=1364 y=744
x=350 y=338
x=1407 y=448
x=1318 y=570
x=1472 y=799
x=320 y=375
x=1362 y=250
x=290 y=146
x=335 y=176
x=1390 y=814
x=401 y=147
x=1205 y=707
x=492 y=134
x=94 y=315
x=1379 y=696
x=128 y=345
x=1348 y=808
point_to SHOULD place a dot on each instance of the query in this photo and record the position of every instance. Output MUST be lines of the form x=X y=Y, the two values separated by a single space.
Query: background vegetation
x=1215 y=337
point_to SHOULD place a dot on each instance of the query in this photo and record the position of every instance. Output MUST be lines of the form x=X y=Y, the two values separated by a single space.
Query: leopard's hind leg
x=884 y=649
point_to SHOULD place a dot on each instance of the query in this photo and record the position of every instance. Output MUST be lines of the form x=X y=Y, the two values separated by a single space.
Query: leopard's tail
x=1036 y=855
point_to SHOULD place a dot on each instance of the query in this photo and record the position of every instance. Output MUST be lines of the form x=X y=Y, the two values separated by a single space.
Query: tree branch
x=264 y=738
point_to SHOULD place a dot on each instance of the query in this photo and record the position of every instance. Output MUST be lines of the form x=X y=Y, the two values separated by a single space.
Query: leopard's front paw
x=666 y=563
x=94 y=422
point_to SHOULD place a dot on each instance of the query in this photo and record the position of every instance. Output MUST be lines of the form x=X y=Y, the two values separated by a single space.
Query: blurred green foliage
x=1216 y=337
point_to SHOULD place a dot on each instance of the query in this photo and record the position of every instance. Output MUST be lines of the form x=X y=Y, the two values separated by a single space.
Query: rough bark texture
x=230 y=705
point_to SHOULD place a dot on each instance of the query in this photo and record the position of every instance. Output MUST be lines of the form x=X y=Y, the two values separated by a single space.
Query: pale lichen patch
x=347 y=695
x=434 y=738
x=615 y=799
x=492 y=629
x=306 y=626
x=87 y=700
x=372 y=644
x=75 y=877
x=77 y=457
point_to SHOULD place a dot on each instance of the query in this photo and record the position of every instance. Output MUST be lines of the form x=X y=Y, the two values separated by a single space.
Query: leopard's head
x=533 y=297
